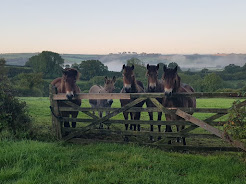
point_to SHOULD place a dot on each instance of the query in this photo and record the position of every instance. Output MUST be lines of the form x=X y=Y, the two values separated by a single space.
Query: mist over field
x=115 y=61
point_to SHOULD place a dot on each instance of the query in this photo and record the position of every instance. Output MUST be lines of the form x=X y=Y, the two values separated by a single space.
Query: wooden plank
x=149 y=109
x=105 y=118
x=160 y=106
x=131 y=121
x=54 y=105
x=62 y=96
x=73 y=105
x=197 y=95
x=211 y=129
x=144 y=133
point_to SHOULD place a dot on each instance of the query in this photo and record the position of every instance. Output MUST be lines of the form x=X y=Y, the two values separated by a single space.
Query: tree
x=30 y=80
x=212 y=82
x=91 y=68
x=14 y=120
x=49 y=63
x=173 y=65
x=231 y=68
x=139 y=68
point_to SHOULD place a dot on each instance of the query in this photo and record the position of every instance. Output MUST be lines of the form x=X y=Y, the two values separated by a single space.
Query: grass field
x=55 y=162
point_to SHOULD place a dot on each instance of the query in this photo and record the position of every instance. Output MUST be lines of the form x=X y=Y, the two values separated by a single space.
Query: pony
x=131 y=85
x=108 y=88
x=154 y=86
x=67 y=84
x=172 y=84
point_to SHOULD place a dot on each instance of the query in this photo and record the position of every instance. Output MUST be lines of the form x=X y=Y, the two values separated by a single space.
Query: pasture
x=55 y=162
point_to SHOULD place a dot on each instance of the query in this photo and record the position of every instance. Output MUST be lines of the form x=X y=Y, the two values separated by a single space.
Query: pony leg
x=74 y=115
x=178 y=138
x=137 y=117
x=131 y=125
x=151 y=126
x=126 y=118
x=168 y=127
x=100 y=115
x=183 y=138
x=66 y=123
x=159 y=126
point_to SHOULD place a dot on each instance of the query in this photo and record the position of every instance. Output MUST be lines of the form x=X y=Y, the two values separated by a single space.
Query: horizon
x=101 y=27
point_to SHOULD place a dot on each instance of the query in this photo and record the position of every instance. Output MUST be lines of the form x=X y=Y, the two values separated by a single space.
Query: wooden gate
x=197 y=131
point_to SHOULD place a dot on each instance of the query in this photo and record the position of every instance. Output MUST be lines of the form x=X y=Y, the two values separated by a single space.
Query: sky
x=112 y=26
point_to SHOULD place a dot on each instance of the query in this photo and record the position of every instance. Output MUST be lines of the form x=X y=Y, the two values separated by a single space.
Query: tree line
x=41 y=69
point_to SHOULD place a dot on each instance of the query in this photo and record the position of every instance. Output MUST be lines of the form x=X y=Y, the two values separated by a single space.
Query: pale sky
x=105 y=26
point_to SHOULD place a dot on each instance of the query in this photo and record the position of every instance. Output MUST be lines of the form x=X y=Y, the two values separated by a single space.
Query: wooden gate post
x=56 y=123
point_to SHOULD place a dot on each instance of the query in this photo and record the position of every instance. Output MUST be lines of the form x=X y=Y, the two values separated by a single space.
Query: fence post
x=56 y=123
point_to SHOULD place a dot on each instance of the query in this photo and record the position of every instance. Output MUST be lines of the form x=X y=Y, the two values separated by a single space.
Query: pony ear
x=114 y=79
x=147 y=66
x=123 y=67
x=164 y=68
x=157 y=67
x=176 y=69
x=132 y=67
x=64 y=71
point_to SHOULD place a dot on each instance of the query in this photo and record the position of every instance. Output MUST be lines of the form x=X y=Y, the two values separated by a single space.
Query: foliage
x=30 y=80
x=90 y=69
x=212 y=82
x=49 y=63
x=30 y=84
x=232 y=68
x=173 y=65
x=14 y=120
x=16 y=70
x=236 y=125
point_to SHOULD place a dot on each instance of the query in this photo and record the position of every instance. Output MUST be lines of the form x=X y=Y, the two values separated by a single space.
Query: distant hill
x=115 y=61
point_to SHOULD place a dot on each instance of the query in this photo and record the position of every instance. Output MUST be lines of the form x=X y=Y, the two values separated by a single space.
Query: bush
x=236 y=125
x=13 y=117
x=25 y=92
x=14 y=120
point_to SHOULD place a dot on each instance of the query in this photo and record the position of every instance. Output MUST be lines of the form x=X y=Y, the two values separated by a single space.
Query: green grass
x=42 y=162
x=37 y=162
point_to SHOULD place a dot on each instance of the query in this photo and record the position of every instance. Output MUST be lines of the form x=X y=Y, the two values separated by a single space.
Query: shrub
x=236 y=125
x=13 y=116
x=14 y=120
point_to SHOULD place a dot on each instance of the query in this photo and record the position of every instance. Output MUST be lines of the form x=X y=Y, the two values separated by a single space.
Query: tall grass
x=38 y=162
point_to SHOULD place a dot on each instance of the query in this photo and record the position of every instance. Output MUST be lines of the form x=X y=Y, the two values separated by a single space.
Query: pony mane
x=71 y=71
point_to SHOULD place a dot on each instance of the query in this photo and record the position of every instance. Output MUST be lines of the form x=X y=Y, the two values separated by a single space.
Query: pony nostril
x=167 y=93
x=69 y=97
x=152 y=88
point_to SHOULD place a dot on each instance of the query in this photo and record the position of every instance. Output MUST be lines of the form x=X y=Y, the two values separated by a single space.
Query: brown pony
x=172 y=84
x=131 y=85
x=108 y=88
x=67 y=84
x=154 y=86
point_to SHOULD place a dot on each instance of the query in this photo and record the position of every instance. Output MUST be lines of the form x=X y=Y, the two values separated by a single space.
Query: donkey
x=131 y=85
x=172 y=84
x=67 y=84
x=154 y=86
x=108 y=88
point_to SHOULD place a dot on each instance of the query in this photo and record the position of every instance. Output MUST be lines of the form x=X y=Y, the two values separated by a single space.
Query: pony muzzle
x=168 y=92
x=69 y=95
x=152 y=87
x=127 y=87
